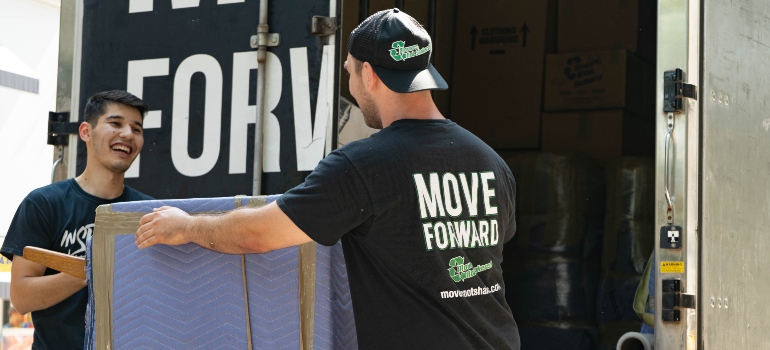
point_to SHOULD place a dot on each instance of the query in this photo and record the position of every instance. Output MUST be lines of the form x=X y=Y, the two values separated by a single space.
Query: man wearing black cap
x=422 y=208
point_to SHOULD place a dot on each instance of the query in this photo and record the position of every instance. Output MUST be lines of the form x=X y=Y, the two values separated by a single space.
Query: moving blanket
x=189 y=297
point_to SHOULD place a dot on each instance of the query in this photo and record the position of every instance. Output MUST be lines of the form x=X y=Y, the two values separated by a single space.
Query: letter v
x=472 y=193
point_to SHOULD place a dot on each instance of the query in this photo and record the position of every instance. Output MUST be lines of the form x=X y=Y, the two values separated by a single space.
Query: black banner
x=191 y=61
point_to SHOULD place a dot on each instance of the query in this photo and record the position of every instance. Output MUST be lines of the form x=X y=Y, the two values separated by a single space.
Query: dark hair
x=358 y=65
x=96 y=104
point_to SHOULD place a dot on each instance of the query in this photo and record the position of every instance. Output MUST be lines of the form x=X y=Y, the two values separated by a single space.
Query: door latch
x=671 y=237
x=324 y=26
x=675 y=89
x=59 y=128
x=673 y=300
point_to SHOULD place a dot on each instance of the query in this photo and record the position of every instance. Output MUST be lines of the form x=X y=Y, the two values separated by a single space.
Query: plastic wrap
x=629 y=226
x=537 y=338
x=560 y=202
x=552 y=290
x=551 y=266
x=549 y=183
x=629 y=238
x=615 y=313
x=556 y=233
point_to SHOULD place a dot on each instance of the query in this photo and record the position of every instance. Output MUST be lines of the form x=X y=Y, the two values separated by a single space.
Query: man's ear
x=85 y=131
x=369 y=76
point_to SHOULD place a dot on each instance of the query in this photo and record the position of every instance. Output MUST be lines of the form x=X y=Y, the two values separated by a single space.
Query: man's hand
x=165 y=225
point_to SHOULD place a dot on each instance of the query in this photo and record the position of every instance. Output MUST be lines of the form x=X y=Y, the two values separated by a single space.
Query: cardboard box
x=590 y=25
x=603 y=134
x=498 y=69
x=597 y=80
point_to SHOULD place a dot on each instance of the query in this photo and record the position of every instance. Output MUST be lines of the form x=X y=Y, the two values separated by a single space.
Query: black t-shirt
x=423 y=209
x=59 y=217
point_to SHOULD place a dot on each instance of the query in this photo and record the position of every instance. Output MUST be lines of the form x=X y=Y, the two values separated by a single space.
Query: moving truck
x=246 y=98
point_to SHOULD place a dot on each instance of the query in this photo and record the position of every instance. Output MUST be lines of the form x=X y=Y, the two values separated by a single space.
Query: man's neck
x=417 y=105
x=101 y=183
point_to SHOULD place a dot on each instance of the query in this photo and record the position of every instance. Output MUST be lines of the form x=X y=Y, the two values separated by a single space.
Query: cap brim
x=411 y=80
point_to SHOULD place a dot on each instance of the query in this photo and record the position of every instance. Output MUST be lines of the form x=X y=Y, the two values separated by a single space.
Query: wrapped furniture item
x=551 y=266
x=189 y=297
x=628 y=242
x=559 y=202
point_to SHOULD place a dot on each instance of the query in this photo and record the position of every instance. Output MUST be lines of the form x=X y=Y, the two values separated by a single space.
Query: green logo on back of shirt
x=460 y=271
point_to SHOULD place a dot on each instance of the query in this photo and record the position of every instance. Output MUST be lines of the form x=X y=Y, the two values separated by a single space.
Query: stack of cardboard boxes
x=599 y=99
x=600 y=87
x=497 y=78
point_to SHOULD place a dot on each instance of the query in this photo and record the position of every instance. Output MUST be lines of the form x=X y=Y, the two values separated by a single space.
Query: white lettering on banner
x=139 y=6
x=212 y=115
x=137 y=71
x=181 y=4
x=488 y=193
x=135 y=6
x=242 y=113
x=310 y=136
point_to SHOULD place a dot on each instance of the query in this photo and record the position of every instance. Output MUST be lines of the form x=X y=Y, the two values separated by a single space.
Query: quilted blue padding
x=90 y=335
x=177 y=297
x=188 y=297
x=273 y=284
x=335 y=326
x=194 y=205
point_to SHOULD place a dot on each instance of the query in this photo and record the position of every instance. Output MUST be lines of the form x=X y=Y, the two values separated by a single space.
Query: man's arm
x=241 y=231
x=31 y=291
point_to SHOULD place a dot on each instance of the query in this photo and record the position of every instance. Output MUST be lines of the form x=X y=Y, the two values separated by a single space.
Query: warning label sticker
x=672 y=267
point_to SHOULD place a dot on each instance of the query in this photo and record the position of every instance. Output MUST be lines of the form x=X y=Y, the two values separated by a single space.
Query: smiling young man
x=60 y=217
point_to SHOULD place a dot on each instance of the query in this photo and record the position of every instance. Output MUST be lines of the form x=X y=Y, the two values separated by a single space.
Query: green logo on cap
x=401 y=53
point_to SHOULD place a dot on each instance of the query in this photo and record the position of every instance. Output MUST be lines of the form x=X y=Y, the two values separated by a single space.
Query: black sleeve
x=30 y=227
x=139 y=196
x=511 y=212
x=331 y=202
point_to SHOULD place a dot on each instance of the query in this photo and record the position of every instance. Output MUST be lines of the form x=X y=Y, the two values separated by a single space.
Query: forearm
x=41 y=292
x=237 y=232
x=241 y=231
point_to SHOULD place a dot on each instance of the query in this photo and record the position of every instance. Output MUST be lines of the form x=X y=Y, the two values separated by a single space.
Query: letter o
x=212 y=124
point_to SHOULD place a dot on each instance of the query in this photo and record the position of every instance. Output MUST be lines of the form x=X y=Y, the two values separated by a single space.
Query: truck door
x=711 y=265
x=192 y=61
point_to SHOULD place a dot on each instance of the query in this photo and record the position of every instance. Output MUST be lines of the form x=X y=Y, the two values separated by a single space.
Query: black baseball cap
x=399 y=49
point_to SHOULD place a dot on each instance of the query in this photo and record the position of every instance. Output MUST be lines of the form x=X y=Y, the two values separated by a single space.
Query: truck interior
x=564 y=91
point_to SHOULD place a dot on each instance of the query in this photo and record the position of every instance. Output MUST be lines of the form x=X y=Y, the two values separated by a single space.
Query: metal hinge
x=59 y=128
x=675 y=89
x=263 y=38
x=324 y=26
x=673 y=300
